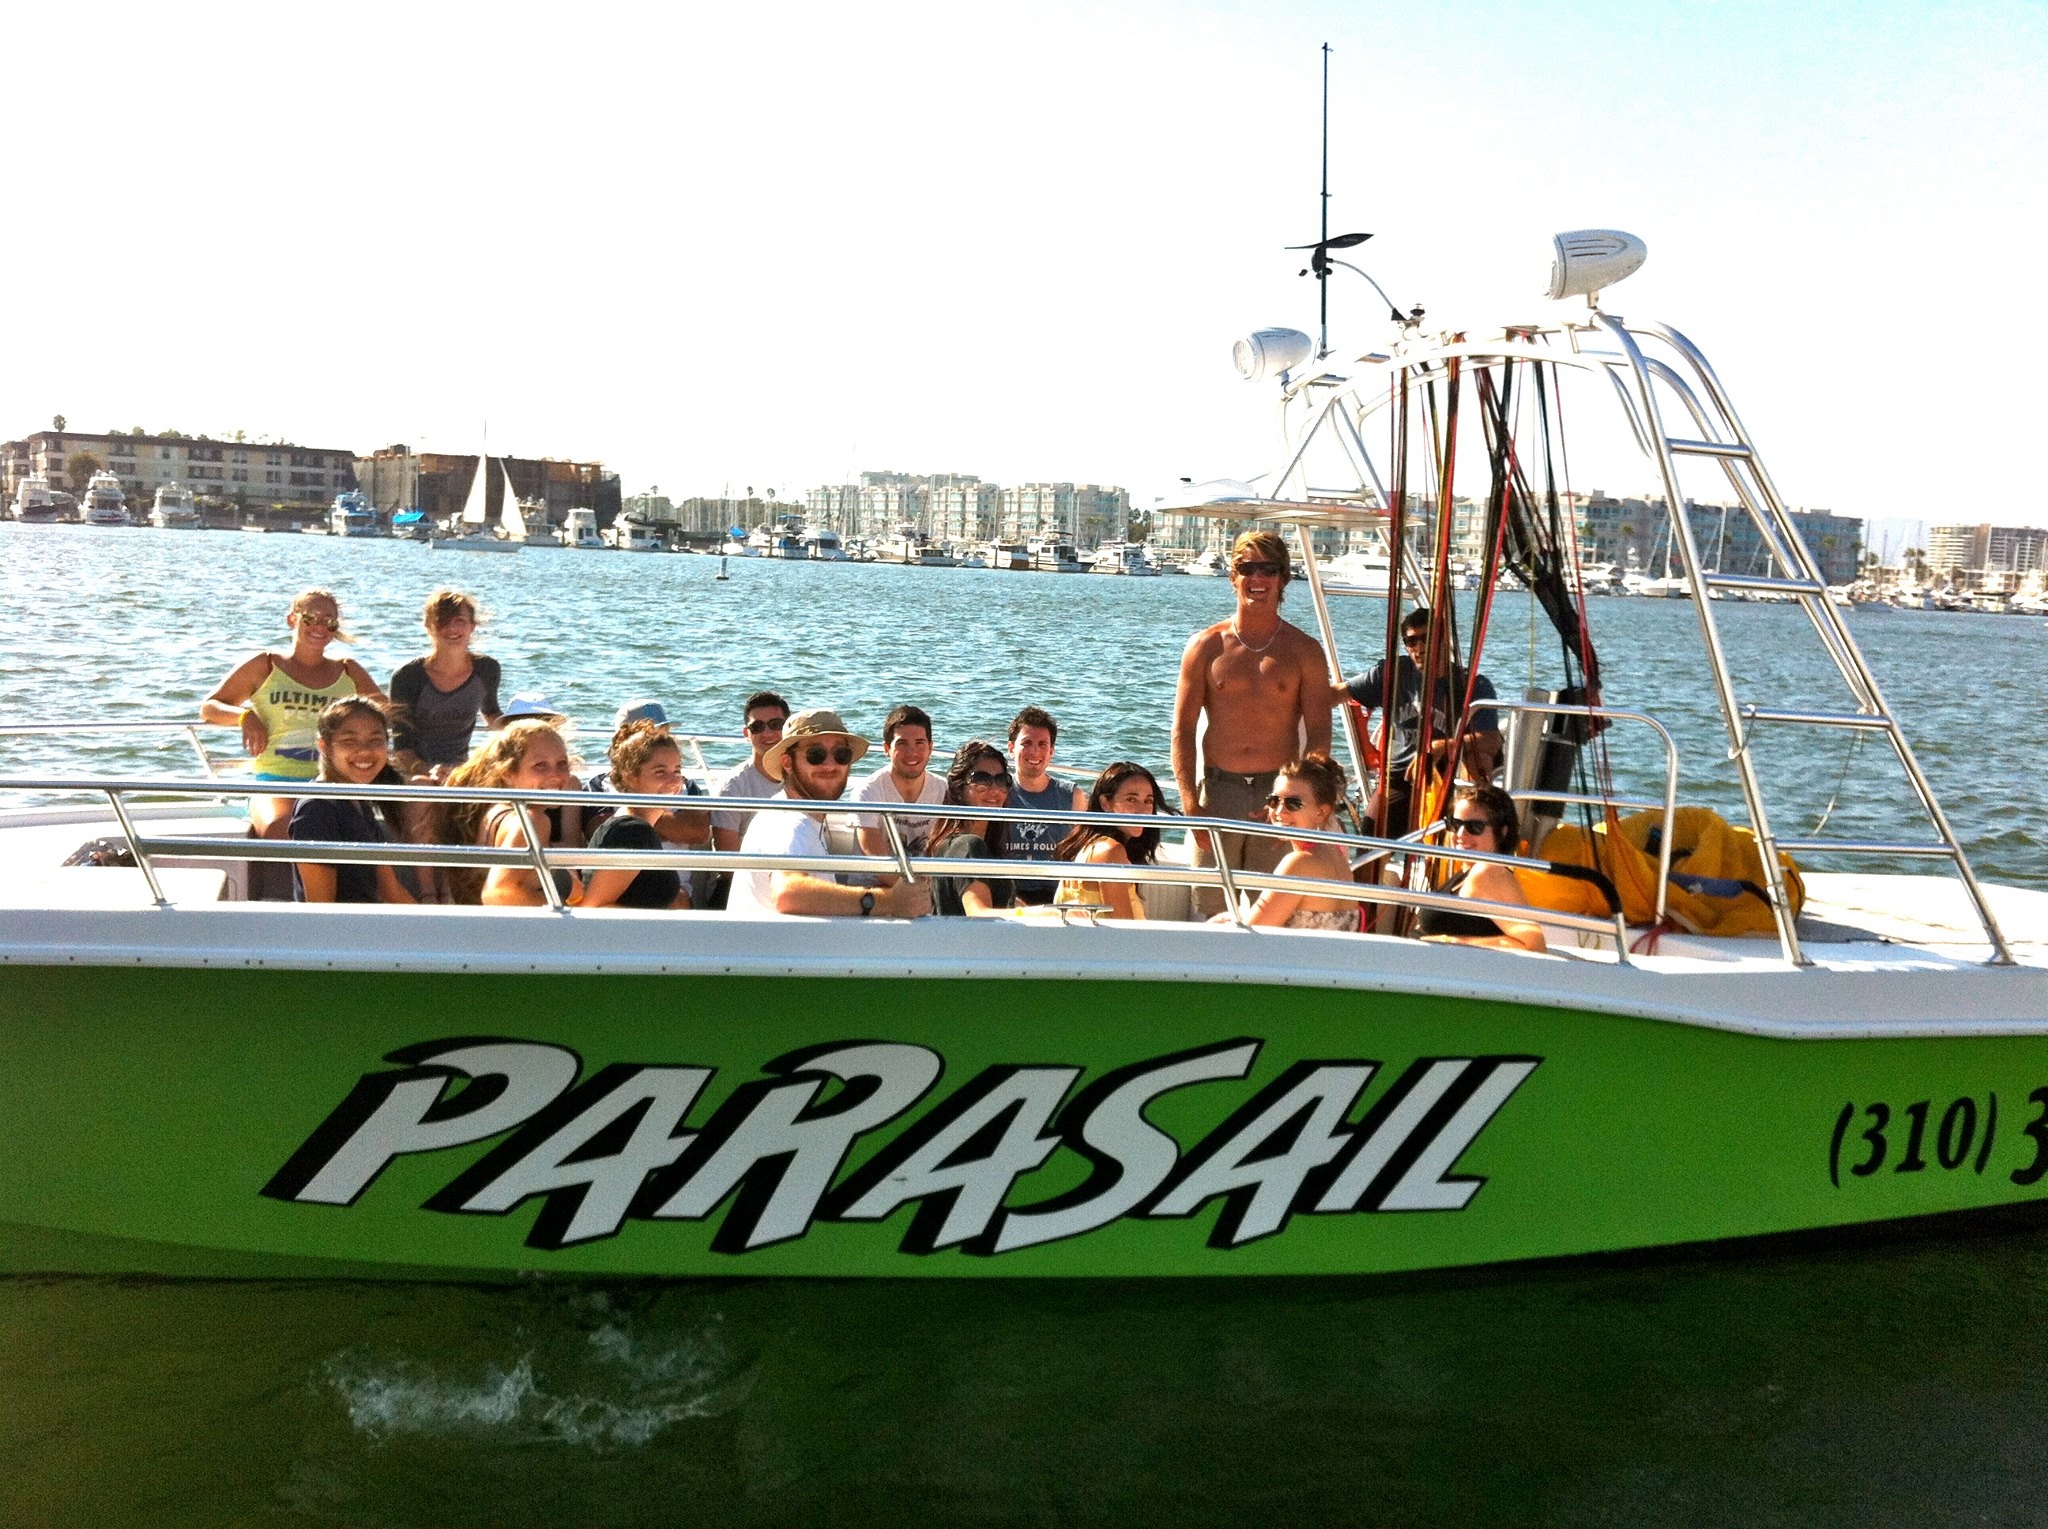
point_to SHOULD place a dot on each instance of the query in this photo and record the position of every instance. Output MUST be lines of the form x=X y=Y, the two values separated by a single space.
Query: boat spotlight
x=1270 y=352
x=1589 y=259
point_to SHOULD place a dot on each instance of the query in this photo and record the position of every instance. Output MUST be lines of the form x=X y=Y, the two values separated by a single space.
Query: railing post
x=135 y=848
x=1224 y=875
x=539 y=857
x=896 y=846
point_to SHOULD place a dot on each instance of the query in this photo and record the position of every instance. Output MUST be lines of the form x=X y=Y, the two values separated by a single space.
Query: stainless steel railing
x=543 y=859
x=1669 y=805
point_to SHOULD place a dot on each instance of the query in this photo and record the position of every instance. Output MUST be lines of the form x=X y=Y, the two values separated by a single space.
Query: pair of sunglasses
x=982 y=778
x=817 y=754
x=1469 y=825
x=1258 y=570
x=762 y=725
x=1291 y=803
x=325 y=623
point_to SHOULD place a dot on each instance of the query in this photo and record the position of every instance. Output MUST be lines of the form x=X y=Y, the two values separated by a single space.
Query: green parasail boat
x=195 y=1083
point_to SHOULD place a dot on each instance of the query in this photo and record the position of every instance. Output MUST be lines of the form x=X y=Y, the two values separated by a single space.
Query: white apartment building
x=252 y=473
x=1987 y=549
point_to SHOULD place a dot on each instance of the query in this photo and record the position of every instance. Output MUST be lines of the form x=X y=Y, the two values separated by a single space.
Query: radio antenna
x=1320 y=260
x=1323 y=236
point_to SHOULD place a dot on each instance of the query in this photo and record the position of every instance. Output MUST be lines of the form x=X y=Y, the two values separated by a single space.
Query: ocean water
x=1869 y=1379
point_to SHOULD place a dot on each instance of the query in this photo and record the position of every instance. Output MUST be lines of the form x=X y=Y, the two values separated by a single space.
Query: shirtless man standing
x=1264 y=685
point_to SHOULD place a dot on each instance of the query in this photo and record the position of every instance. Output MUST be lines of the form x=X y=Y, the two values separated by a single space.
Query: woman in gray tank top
x=438 y=699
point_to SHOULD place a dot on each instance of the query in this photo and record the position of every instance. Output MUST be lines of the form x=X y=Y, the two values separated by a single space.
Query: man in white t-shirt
x=764 y=716
x=907 y=739
x=813 y=760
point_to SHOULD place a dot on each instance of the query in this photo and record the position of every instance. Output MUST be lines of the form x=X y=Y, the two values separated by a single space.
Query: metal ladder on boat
x=1719 y=436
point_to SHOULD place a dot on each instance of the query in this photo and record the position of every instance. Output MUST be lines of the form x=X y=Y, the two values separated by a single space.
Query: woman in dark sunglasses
x=1127 y=788
x=979 y=778
x=1305 y=796
x=1484 y=818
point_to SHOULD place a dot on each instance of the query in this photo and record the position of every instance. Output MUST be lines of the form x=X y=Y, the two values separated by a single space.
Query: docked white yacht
x=822 y=545
x=1209 y=563
x=629 y=533
x=173 y=509
x=908 y=545
x=580 y=530
x=1011 y=557
x=1126 y=558
x=1364 y=572
x=33 y=501
x=1597 y=578
x=353 y=515
x=1056 y=557
x=105 y=504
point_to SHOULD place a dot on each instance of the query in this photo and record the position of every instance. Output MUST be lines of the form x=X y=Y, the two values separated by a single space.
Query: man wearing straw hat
x=813 y=760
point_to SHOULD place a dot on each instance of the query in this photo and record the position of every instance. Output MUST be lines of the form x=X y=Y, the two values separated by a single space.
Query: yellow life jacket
x=1717 y=873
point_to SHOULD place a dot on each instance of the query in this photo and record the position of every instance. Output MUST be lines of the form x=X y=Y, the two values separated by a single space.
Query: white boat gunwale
x=1881 y=991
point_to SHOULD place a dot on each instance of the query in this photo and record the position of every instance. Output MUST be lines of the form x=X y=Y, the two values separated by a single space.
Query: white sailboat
x=476 y=537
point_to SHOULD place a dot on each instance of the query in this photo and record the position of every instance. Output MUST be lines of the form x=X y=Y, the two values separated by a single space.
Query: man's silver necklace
x=1239 y=635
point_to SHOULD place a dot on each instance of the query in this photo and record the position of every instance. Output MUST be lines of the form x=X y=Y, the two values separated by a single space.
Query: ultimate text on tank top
x=291 y=712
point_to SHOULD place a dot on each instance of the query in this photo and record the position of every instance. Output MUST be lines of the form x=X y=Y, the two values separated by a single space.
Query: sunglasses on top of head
x=817 y=754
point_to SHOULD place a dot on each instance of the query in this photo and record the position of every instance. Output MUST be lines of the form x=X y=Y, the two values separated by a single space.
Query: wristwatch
x=867 y=904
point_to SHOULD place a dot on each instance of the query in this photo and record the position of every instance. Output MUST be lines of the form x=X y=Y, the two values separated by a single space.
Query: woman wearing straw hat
x=815 y=756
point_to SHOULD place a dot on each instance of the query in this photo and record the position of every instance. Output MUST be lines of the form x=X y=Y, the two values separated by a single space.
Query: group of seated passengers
x=445 y=693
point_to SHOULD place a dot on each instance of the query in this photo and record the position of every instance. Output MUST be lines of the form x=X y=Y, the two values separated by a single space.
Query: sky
x=722 y=247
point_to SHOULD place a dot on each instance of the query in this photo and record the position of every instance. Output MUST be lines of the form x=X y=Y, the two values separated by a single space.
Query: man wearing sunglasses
x=1481 y=751
x=1261 y=686
x=812 y=760
x=763 y=715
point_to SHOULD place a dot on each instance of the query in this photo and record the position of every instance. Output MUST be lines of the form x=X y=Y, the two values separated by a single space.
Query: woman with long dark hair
x=353 y=740
x=979 y=778
x=1484 y=818
x=1124 y=787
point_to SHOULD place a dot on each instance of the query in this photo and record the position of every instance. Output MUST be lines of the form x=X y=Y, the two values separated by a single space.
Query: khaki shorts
x=1225 y=794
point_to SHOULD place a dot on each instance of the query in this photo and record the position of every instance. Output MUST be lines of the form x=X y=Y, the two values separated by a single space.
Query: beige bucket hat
x=805 y=726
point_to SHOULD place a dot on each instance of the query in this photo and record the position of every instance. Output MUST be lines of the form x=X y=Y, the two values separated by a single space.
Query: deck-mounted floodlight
x=1270 y=352
x=1589 y=259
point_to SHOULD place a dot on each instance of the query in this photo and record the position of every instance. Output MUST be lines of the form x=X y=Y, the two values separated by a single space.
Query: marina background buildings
x=250 y=475
x=437 y=483
x=963 y=509
x=1989 y=558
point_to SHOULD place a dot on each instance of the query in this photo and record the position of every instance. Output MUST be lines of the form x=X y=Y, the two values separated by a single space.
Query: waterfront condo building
x=255 y=476
x=1994 y=558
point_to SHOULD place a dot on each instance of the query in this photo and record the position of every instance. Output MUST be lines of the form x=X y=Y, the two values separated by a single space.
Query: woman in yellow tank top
x=1125 y=788
x=276 y=698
